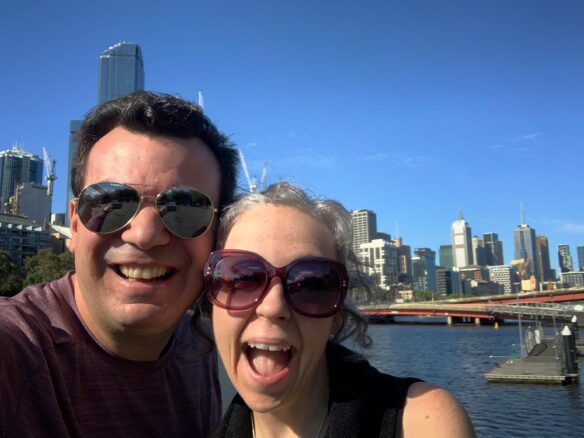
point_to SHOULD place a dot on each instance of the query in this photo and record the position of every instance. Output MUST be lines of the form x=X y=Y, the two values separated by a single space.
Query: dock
x=546 y=362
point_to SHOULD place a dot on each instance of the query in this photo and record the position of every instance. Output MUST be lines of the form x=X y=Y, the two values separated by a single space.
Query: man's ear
x=73 y=218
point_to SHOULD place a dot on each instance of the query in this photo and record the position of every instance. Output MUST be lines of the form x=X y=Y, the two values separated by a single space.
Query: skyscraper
x=404 y=261
x=493 y=249
x=446 y=256
x=16 y=167
x=121 y=71
x=524 y=239
x=424 y=270
x=461 y=242
x=565 y=259
x=580 y=250
x=364 y=228
x=479 y=253
x=543 y=259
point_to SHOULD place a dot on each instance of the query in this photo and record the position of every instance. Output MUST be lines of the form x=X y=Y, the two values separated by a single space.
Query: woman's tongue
x=267 y=363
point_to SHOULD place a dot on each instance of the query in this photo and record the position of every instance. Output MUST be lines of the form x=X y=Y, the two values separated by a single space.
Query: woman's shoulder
x=433 y=411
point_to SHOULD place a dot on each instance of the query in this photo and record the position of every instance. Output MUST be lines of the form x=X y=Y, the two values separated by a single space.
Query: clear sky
x=411 y=109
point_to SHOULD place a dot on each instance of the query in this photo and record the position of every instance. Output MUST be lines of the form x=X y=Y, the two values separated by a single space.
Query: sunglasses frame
x=272 y=271
x=214 y=210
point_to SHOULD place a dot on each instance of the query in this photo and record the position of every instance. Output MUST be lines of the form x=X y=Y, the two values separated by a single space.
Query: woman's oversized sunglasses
x=239 y=280
x=107 y=207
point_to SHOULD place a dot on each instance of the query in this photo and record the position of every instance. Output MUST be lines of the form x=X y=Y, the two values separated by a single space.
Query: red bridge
x=543 y=305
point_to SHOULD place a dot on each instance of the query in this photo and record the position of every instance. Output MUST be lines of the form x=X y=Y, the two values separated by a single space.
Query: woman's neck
x=305 y=417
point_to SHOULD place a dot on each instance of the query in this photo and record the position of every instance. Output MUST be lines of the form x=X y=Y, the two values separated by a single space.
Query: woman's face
x=274 y=356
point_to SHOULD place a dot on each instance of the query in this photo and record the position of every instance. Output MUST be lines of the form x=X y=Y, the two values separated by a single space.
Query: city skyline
x=411 y=110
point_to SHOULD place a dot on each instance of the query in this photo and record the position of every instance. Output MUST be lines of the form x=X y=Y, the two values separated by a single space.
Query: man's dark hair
x=155 y=114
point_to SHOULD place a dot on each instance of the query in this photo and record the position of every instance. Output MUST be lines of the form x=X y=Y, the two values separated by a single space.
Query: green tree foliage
x=47 y=266
x=10 y=277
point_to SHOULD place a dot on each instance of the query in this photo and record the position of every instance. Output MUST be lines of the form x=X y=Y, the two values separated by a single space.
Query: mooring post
x=569 y=345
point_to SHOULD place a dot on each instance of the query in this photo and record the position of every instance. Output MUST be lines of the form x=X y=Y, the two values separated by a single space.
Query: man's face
x=116 y=301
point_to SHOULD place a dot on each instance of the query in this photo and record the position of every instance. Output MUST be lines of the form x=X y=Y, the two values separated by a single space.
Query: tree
x=10 y=277
x=47 y=266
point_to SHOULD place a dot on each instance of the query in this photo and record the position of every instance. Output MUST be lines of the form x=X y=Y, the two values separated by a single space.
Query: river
x=456 y=357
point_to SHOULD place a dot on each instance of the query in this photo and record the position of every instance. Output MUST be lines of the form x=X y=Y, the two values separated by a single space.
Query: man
x=108 y=350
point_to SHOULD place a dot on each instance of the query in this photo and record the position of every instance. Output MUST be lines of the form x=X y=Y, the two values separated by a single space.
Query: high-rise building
x=479 y=253
x=580 y=251
x=565 y=259
x=121 y=71
x=524 y=239
x=21 y=237
x=16 y=167
x=542 y=259
x=446 y=256
x=493 y=249
x=424 y=270
x=404 y=261
x=461 y=242
x=379 y=258
x=364 y=228
x=504 y=275
x=32 y=201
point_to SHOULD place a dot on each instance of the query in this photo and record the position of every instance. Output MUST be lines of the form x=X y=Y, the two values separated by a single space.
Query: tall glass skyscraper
x=121 y=71
x=17 y=166
x=460 y=233
x=524 y=240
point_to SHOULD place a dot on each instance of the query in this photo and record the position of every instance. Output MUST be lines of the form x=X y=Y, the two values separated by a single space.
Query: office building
x=379 y=258
x=542 y=259
x=572 y=279
x=493 y=249
x=580 y=251
x=447 y=281
x=446 y=260
x=503 y=275
x=524 y=240
x=404 y=261
x=20 y=237
x=479 y=253
x=16 y=167
x=364 y=228
x=461 y=242
x=121 y=71
x=424 y=270
x=565 y=259
x=31 y=200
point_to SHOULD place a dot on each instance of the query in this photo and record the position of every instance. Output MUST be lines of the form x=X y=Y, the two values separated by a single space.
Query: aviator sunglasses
x=107 y=207
x=239 y=280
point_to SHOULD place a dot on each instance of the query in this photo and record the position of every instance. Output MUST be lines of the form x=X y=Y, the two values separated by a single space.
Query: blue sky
x=411 y=109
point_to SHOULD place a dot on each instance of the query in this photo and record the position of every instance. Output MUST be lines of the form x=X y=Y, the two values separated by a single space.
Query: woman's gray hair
x=329 y=212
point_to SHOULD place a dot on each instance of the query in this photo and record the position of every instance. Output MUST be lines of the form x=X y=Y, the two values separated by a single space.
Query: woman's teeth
x=268 y=347
x=135 y=273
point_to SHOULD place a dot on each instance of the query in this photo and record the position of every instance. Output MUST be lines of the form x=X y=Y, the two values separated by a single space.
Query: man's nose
x=146 y=229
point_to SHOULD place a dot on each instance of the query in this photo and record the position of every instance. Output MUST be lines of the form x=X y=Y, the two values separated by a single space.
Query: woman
x=278 y=285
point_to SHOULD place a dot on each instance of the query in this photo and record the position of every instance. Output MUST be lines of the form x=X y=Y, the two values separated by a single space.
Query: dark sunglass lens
x=238 y=281
x=314 y=287
x=107 y=207
x=186 y=212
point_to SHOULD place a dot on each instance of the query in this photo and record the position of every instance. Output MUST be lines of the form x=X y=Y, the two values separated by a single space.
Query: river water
x=456 y=357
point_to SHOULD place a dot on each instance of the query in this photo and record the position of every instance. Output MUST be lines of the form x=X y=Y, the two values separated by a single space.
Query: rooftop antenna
x=200 y=100
x=521 y=213
x=251 y=183
x=50 y=165
x=264 y=175
x=460 y=216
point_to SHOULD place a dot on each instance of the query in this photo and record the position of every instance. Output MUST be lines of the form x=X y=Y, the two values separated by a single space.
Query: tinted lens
x=107 y=207
x=184 y=211
x=314 y=287
x=238 y=281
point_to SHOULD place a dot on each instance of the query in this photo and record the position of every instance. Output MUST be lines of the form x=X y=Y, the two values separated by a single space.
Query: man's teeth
x=135 y=273
x=269 y=347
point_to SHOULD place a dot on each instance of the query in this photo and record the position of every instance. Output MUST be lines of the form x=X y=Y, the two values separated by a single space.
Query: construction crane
x=251 y=183
x=50 y=166
x=264 y=175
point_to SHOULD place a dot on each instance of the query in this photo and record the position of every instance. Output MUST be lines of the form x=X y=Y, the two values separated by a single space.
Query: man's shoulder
x=34 y=308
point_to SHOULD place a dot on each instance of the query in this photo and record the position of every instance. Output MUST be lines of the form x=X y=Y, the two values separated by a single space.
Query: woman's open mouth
x=268 y=359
